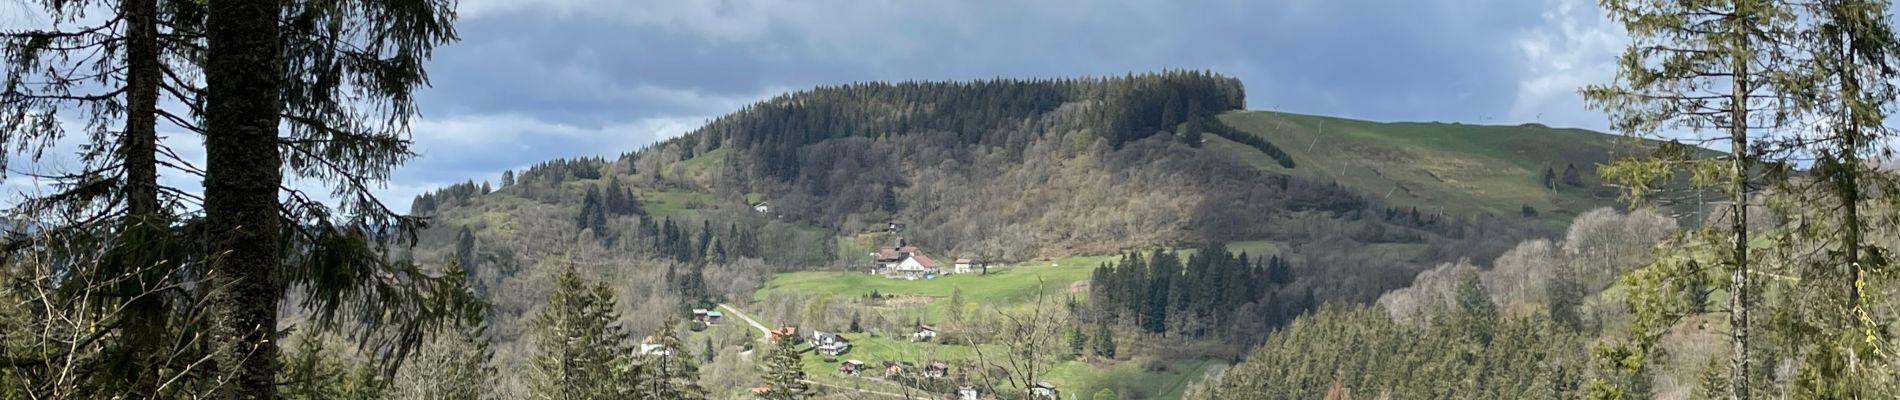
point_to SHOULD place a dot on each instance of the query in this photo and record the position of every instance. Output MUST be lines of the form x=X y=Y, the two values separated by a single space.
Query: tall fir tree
x=785 y=373
x=578 y=347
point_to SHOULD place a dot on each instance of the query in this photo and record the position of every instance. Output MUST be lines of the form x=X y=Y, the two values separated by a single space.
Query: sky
x=533 y=80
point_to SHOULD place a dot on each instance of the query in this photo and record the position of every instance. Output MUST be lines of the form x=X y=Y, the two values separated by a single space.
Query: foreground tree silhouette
x=1711 y=65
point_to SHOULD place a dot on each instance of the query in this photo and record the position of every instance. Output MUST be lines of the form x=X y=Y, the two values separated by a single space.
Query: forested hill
x=1011 y=171
x=1016 y=169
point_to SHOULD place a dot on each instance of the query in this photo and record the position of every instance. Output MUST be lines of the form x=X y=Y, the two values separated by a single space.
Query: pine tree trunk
x=139 y=145
x=243 y=171
x=1738 y=225
x=145 y=315
x=1849 y=183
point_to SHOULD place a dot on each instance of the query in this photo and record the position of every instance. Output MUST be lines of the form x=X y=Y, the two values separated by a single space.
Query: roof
x=715 y=313
x=699 y=311
x=854 y=362
x=894 y=253
x=833 y=336
x=927 y=328
x=924 y=261
x=1045 y=385
x=963 y=261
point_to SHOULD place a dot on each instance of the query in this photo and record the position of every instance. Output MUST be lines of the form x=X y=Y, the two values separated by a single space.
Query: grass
x=1126 y=378
x=704 y=167
x=1459 y=168
x=674 y=204
x=1254 y=248
x=1003 y=287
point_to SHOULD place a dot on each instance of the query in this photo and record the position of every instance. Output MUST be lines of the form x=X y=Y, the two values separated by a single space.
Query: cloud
x=1575 y=46
x=534 y=80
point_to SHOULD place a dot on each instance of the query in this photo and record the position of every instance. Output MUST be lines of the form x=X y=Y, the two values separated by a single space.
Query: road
x=764 y=331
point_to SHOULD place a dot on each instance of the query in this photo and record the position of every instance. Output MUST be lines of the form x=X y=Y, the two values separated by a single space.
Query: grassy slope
x=1461 y=168
x=1004 y=287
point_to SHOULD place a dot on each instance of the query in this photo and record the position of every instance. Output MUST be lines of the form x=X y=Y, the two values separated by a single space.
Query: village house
x=708 y=317
x=830 y=344
x=1045 y=390
x=924 y=333
x=968 y=392
x=762 y=207
x=936 y=370
x=906 y=262
x=963 y=266
x=851 y=367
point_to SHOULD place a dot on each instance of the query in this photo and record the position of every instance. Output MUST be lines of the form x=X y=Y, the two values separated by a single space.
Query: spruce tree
x=244 y=169
x=577 y=345
x=1104 y=341
x=1723 y=67
x=1078 y=342
x=671 y=372
x=785 y=373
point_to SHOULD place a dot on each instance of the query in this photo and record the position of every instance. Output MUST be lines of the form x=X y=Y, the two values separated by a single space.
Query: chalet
x=924 y=333
x=936 y=370
x=707 y=315
x=762 y=207
x=851 y=367
x=968 y=392
x=963 y=266
x=831 y=344
x=1045 y=390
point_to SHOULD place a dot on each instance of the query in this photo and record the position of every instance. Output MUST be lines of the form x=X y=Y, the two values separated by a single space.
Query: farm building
x=1045 y=390
x=936 y=370
x=895 y=369
x=924 y=333
x=903 y=261
x=709 y=317
x=851 y=367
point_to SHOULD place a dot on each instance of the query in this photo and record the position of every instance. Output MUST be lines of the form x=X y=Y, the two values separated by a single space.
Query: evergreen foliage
x=578 y=345
x=1204 y=295
x=1362 y=350
x=785 y=373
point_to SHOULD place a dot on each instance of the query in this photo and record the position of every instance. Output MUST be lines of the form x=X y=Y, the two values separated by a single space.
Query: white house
x=968 y=392
x=924 y=333
x=762 y=207
x=916 y=266
x=831 y=344
x=1045 y=390
x=963 y=266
